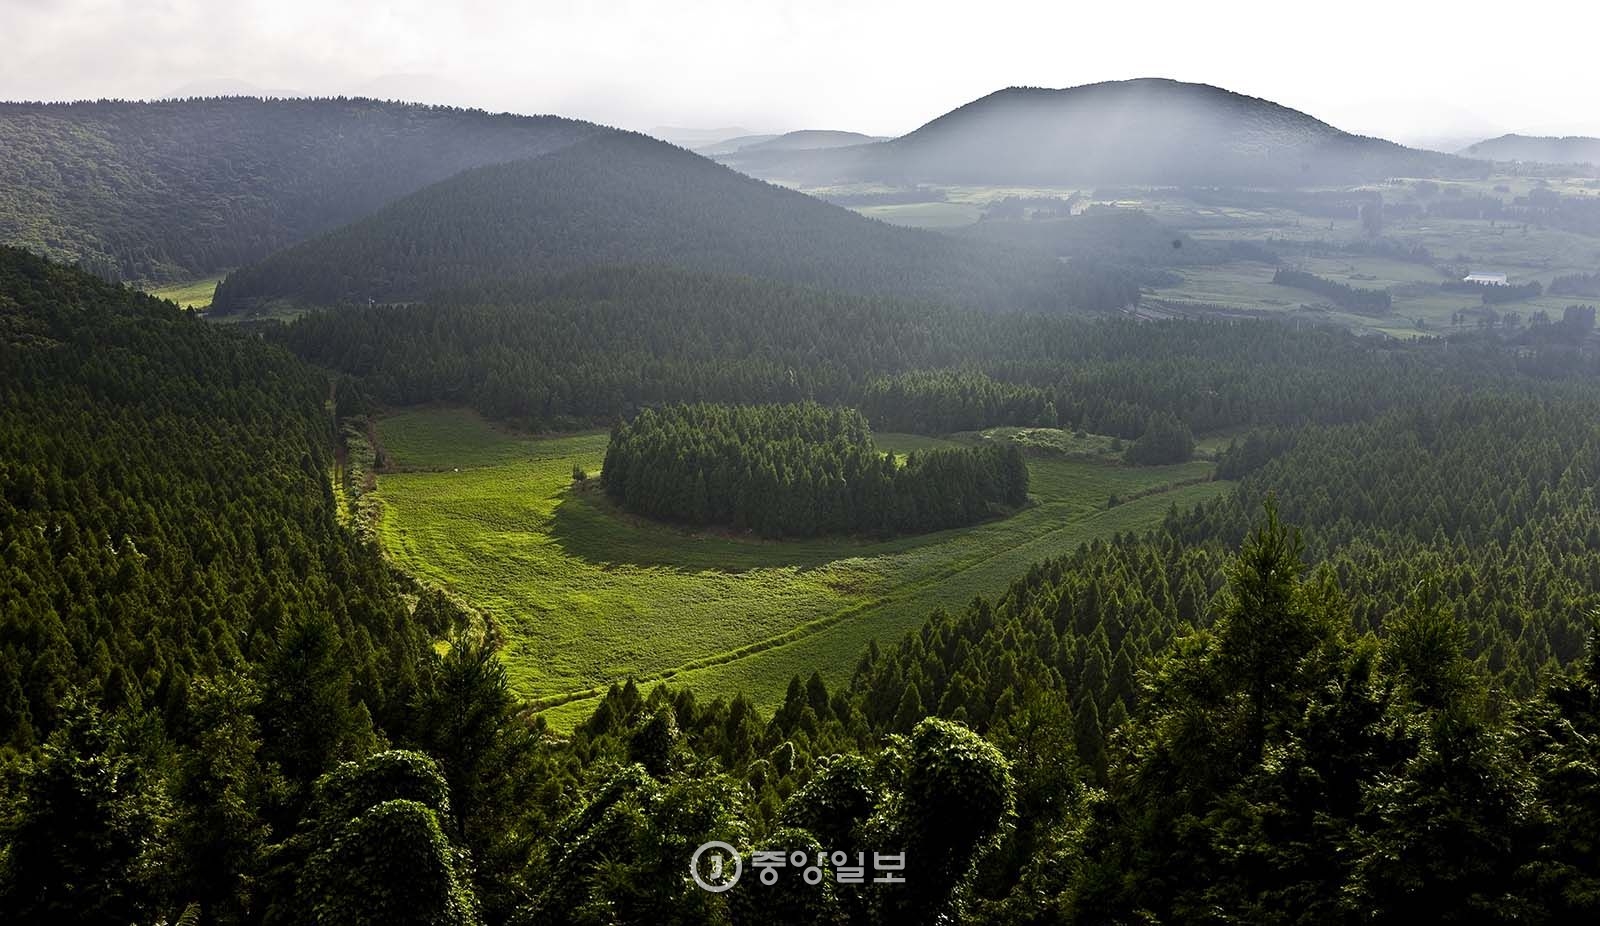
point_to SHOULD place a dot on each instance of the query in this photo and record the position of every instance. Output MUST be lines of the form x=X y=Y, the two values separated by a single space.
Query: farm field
x=924 y=215
x=584 y=595
x=1525 y=254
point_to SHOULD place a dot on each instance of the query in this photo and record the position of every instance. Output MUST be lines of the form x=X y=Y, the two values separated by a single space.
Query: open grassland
x=195 y=294
x=924 y=215
x=585 y=595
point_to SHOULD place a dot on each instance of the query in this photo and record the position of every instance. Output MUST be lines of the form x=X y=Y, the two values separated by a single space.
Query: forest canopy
x=800 y=471
x=174 y=189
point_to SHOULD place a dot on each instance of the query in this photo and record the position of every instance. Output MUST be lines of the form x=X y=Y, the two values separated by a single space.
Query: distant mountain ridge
x=1572 y=149
x=184 y=188
x=732 y=149
x=621 y=198
x=1144 y=131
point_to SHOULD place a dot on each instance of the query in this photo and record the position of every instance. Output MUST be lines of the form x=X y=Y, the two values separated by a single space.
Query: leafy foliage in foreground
x=800 y=470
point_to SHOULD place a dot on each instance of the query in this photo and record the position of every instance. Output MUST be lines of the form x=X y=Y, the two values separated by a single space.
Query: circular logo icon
x=721 y=869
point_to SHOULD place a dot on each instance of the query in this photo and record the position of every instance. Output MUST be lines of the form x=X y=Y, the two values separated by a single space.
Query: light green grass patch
x=924 y=215
x=1057 y=442
x=194 y=294
x=585 y=595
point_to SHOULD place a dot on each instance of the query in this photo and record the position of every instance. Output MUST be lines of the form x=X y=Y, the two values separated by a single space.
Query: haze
x=1374 y=68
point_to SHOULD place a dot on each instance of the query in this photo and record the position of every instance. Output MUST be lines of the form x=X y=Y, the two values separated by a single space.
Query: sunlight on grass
x=584 y=595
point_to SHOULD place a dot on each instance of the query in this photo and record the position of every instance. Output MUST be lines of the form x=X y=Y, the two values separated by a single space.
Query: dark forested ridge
x=161 y=479
x=188 y=637
x=1146 y=131
x=628 y=198
x=183 y=188
x=585 y=348
x=800 y=471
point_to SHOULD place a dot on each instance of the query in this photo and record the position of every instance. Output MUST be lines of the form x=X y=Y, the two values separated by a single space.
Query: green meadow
x=193 y=294
x=584 y=595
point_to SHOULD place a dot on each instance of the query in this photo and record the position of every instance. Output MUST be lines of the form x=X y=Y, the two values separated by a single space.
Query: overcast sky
x=1399 y=69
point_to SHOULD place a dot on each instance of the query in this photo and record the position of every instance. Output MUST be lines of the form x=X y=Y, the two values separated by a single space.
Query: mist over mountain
x=699 y=137
x=731 y=150
x=182 y=188
x=1570 y=150
x=1146 y=131
x=626 y=198
x=730 y=145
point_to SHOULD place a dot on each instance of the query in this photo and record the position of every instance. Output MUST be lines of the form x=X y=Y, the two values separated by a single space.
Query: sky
x=1415 y=72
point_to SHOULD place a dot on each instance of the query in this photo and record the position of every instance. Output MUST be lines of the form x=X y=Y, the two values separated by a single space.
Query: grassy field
x=586 y=595
x=924 y=215
x=195 y=294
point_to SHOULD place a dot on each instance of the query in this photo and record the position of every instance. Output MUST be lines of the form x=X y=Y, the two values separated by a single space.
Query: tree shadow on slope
x=588 y=526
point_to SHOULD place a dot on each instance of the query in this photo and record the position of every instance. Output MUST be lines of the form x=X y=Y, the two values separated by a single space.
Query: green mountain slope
x=164 y=508
x=628 y=198
x=177 y=189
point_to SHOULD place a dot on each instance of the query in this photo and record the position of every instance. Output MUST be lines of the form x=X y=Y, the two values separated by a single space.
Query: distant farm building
x=1486 y=279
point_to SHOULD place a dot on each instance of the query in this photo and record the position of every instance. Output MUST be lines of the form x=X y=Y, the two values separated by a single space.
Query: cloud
x=880 y=67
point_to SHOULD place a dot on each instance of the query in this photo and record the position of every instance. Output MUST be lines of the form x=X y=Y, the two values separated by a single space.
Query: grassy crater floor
x=585 y=595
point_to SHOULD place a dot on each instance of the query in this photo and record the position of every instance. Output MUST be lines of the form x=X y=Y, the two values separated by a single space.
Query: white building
x=1486 y=279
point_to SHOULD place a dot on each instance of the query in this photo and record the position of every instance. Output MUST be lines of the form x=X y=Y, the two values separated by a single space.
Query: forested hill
x=188 y=637
x=629 y=198
x=161 y=480
x=182 y=188
x=1570 y=150
x=1136 y=131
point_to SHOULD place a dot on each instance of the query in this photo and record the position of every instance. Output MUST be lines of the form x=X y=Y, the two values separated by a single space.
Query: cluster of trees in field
x=620 y=197
x=1578 y=319
x=1496 y=295
x=1546 y=207
x=799 y=471
x=1576 y=284
x=182 y=188
x=1384 y=247
x=1356 y=299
